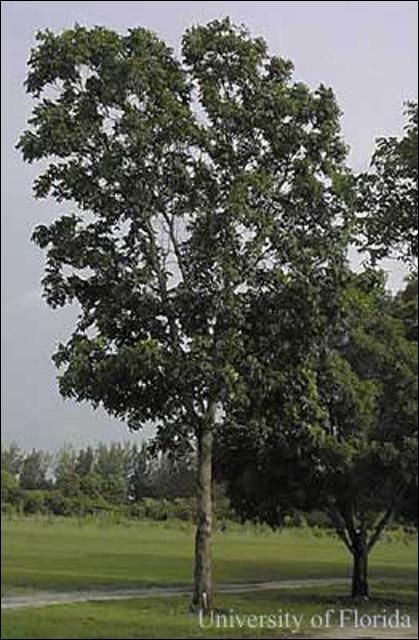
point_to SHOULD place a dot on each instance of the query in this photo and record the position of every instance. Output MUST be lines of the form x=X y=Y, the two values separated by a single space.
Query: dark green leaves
x=209 y=195
x=389 y=196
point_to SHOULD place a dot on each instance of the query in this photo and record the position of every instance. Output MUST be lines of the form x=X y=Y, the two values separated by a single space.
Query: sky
x=366 y=51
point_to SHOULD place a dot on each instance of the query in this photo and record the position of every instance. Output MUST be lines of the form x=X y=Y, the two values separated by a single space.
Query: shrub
x=10 y=491
x=34 y=501
x=8 y=509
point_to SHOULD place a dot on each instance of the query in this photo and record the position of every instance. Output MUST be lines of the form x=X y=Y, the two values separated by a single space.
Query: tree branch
x=176 y=249
x=339 y=525
x=385 y=519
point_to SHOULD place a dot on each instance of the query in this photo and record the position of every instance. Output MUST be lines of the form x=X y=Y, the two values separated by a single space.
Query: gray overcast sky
x=367 y=51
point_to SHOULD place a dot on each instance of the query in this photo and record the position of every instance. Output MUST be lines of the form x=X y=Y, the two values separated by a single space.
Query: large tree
x=351 y=451
x=190 y=187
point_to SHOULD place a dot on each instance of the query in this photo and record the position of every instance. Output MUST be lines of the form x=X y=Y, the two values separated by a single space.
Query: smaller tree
x=9 y=487
x=366 y=448
x=34 y=471
x=174 y=478
x=66 y=477
x=355 y=451
x=113 y=464
x=11 y=459
x=139 y=481
x=389 y=195
x=85 y=461
x=91 y=485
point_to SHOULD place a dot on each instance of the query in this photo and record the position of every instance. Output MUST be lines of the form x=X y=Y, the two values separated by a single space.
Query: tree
x=192 y=186
x=66 y=477
x=91 y=485
x=11 y=459
x=389 y=195
x=113 y=465
x=140 y=478
x=9 y=487
x=406 y=307
x=173 y=478
x=85 y=462
x=367 y=449
x=34 y=470
x=356 y=457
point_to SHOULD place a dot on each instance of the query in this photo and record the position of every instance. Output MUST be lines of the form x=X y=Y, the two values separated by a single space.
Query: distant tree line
x=94 y=479
x=115 y=478
x=134 y=482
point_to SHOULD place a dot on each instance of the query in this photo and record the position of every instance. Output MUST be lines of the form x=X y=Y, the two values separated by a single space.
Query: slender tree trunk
x=360 y=586
x=203 y=589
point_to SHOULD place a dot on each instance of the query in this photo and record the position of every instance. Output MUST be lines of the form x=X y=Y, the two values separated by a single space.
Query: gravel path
x=395 y=634
x=44 y=599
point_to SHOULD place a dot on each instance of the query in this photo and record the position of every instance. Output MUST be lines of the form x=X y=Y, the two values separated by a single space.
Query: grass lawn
x=42 y=554
x=170 y=618
x=69 y=554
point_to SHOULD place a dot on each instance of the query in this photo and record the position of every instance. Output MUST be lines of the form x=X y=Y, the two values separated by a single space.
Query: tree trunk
x=360 y=587
x=203 y=591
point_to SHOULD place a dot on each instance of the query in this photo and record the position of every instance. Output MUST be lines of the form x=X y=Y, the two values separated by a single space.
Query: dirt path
x=47 y=598
x=395 y=634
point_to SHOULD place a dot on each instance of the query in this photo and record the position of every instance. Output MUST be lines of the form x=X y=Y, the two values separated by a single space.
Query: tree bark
x=203 y=588
x=360 y=585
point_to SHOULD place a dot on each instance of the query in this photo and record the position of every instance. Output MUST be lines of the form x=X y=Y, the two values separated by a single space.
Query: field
x=70 y=555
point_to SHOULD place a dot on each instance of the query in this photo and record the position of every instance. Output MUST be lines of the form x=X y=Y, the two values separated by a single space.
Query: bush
x=10 y=492
x=184 y=509
x=59 y=504
x=8 y=509
x=34 y=501
x=311 y=519
x=161 y=510
x=156 y=509
x=318 y=519
x=55 y=503
x=295 y=520
x=136 y=510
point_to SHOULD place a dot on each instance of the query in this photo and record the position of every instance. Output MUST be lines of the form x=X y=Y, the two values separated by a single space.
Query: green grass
x=40 y=554
x=170 y=618
x=69 y=554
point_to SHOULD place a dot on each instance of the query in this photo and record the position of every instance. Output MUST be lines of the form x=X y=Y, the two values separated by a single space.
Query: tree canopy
x=389 y=196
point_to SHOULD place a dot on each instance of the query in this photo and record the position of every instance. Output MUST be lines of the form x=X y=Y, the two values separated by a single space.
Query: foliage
x=178 y=214
x=111 y=477
x=356 y=455
x=9 y=486
x=33 y=473
x=195 y=189
x=367 y=449
x=389 y=195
